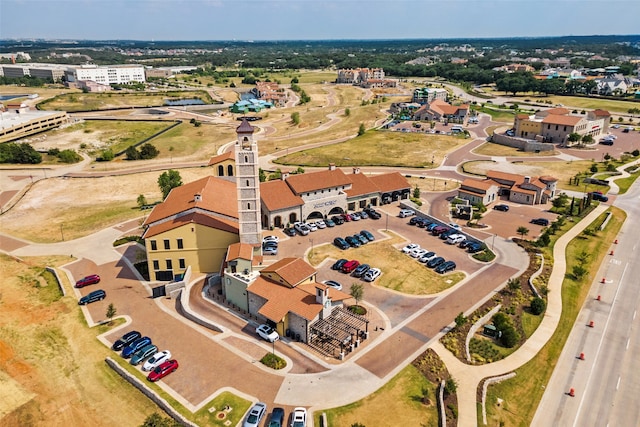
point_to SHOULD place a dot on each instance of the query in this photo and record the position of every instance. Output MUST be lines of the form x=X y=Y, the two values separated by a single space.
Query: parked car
x=540 y=221
x=606 y=141
x=321 y=224
x=312 y=226
x=373 y=214
x=163 y=370
x=367 y=235
x=267 y=333
x=363 y=215
x=349 y=266
x=439 y=230
x=372 y=274
x=277 y=418
x=93 y=296
x=270 y=250
x=361 y=270
x=302 y=228
x=475 y=247
x=427 y=257
x=353 y=242
x=501 y=208
x=405 y=213
x=274 y=239
x=330 y=224
x=255 y=415
x=445 y=267
x=411 y=246
x=143 y=353
x=363 y=240
x=333 y=284
x=125 y=340
x=89 y=280
x=445 y=235
x=355 y=216
x=341 y=243
x=455 y=239
x=435 y=262
x=432 y=226
x=337 y=219
x=418 y=252
x=156 y=360
x=136 y=345
x=289 y=231
x=465 y=243
x=338 y=264
x=299 y=417
x=346 y=217
x=414 y=220
x=597 y=195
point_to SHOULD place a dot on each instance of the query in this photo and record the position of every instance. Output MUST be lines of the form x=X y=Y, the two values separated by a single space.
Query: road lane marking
x=618 y=383
x=628 y=340
x=634 y=314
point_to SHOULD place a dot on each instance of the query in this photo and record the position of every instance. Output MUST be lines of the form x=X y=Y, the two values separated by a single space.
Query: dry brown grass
x=432 y=184
x=498 y=150
x=83 y=205
x=55 y=363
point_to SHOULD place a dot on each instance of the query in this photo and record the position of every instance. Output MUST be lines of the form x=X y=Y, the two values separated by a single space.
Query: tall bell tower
x=248 y=186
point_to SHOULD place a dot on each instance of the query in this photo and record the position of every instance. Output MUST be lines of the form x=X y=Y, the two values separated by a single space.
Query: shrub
x=538 y=306
x=273 y=361
x=509 y=337
x=106 y=156
x=69 y=156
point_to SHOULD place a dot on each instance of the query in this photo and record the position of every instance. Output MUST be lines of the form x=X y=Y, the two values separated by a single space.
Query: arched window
x=220 y=170
x=230 y=170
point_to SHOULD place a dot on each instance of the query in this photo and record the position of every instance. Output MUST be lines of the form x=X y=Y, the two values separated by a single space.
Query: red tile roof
x=192 y=218
x=555 y=119
x=559 y=111
x=478 y=185
x=361 y=185
x=389 y=182
x=218 y=196
x=601 y=113
x=307 y=182
x=240 y=251
x=291 y=270
x=221 y=158
x=505 y=176
x=277 y=195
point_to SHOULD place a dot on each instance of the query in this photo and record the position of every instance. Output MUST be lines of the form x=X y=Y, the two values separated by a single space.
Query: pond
x=180 y=102
x=8 y=97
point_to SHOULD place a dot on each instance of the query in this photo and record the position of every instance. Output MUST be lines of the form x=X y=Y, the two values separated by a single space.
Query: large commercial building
x=17 y=120
x=106 y=75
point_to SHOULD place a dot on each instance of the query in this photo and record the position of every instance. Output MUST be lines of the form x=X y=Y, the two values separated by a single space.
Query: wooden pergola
x=341 y=331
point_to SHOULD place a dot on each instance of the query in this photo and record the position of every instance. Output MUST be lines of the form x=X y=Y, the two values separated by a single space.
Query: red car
x=350 y=266
x=163 y=370
x=89 y=280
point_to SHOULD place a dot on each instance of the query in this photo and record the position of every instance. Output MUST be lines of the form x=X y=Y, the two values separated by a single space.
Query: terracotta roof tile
x=240 y=251
x=479 y=185
x=505 y=176
x=388 y=182
x=547 y=178
x=601 y=113
x=221 y=158
x=216 y=194
x=559 y=111
x=361 y=185
x=277 y=195
x=555 y=119
x=282 y=300
x=291 y=270
x=192 y=218
x=306 y=182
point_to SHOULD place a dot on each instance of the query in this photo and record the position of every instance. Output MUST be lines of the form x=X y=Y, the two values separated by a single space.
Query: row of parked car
x=259 y=410
x=354 y=241
x=449 y=233
x=353 y=267
x=139 y=349
x=304 y=228
x=429 y=258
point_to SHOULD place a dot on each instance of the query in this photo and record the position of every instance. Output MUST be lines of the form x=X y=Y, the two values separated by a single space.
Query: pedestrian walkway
x=468 y=377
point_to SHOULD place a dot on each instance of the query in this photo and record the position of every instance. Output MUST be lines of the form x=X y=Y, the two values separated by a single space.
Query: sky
x=313 y=19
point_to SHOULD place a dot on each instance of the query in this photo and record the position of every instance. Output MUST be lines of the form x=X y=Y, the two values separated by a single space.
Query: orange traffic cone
x=572 y=393
x=591 y=323
x=598 y=299
x=611 y=253
x=581 y=356
x=615 y=241
x=603 y=280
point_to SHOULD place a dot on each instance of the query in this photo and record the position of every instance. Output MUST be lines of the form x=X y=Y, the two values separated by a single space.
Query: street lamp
x=492 y=241
x=386 y=227
x=61 y=232
x=311 y=240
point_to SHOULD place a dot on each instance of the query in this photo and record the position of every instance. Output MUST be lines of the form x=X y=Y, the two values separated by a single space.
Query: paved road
x=606 y=382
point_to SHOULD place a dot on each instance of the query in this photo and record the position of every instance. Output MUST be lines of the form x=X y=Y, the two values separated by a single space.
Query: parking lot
x=625 y=142
x=505 y=224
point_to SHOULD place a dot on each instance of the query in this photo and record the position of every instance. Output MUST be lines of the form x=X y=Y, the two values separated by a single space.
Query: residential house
x=516 y=188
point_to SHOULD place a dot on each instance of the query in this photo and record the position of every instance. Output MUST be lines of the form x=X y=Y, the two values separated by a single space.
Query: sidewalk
x=468 y=377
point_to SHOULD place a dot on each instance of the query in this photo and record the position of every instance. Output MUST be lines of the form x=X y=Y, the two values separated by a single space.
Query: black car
x=435 y=262
x=277 y=418
x=367 y=235
x=373 y=214
x=290 y=231
x=363 y=239
x=445 y=267
x=599 y=197
x=361 y=270
x=540 y=221
x=466 y=243
x=446 y=234
x=415 y=220
x=125 y=340
x=502 y=208
x=337 y=219
x=475 y=247
x=341 y=243
x=353 y=242
x=338 y=264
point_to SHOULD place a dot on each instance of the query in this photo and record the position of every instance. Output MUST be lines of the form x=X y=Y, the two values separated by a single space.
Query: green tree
x=357 y=292
x=168 y=181
x=593 y=168
x=522 y=231
x=416 y=192
x=538 y=306
x=132 y=153
x=157 y=420
x=141 y=200
x=560 y=201
x=294 y=80
x=450 y=386
x=295 y=118
x=262 y=176
x=347 y=112
x=107 y=155
x=573 y=137
x=23 y=153
x=510 y=337
x=69 y=156
x=460 y=319
x=587 y=139
x=111 y=312
x=578 y=271
x=361 y=129
x=148 y=151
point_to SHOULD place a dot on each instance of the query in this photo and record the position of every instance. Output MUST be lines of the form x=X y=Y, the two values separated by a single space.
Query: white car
x=372 y=274
x=418 y=252
x=267 y=333
x=302 y=228
x=299 y=417
x=156 y=360
x=312 y=226
x=333 y=284
x=355 y=216
x=410 y=247
x=266 y=239
x=454 y=239
x=405 y=213
x=321 y=224
x=454 y=226
x=428 y=257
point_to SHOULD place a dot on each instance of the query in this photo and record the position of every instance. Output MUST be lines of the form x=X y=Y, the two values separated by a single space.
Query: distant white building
x=107 y=74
